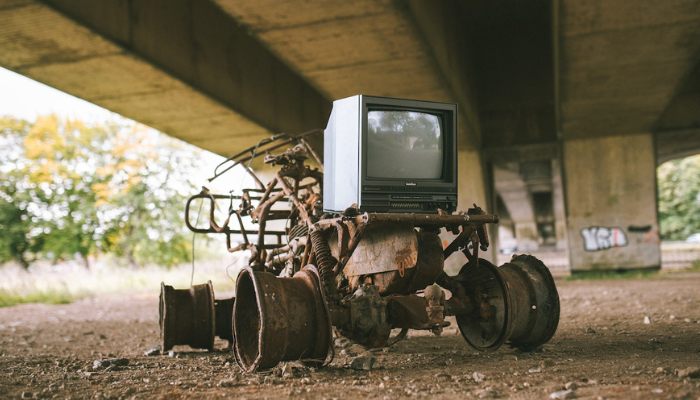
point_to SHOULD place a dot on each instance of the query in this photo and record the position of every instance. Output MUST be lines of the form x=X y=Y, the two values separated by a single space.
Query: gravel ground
x=617 y=339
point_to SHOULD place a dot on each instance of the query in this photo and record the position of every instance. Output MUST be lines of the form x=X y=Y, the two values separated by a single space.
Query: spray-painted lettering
x=597 y=238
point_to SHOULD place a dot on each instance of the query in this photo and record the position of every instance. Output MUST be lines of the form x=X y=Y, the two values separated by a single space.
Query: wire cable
x=193 y=235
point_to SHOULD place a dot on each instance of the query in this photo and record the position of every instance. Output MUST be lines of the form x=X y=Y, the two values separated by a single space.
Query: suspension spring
x=324 y=260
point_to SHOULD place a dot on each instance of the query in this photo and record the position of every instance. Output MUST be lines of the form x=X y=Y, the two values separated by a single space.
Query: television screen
x=404 y=145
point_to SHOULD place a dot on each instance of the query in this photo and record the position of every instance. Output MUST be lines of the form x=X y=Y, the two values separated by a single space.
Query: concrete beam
x=184 y=67
x=676 y=144
x=621 y=63
x=348 y=48
x=522 y=153
x=446 y=34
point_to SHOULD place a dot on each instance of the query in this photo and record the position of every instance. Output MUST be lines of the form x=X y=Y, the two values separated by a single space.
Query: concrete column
x=559 y=210
x=611 y=203
x=471 y=181
x=471 y=190
x=527 y=236
x=518 y=200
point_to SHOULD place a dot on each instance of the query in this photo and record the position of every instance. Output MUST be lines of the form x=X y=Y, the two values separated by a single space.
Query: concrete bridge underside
x=592 y=84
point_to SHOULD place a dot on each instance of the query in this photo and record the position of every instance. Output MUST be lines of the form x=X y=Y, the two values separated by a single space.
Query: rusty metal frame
x=286 y=186
x=300 y=187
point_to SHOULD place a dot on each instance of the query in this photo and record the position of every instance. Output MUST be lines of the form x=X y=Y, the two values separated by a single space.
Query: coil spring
x=298 y=231
x=324 y=259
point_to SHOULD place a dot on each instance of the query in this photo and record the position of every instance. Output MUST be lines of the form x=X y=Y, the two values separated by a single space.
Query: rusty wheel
x=279 y=319
x=187 y=316
x=489 y=326
x=535 y=302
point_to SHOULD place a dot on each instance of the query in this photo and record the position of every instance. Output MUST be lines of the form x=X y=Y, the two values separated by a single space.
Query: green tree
x=62 y=156
x=679 y=198
x=142 y=190
x=70 y=190
x=20 y=240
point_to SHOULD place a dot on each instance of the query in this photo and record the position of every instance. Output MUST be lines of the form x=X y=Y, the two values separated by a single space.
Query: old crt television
x=390 y=155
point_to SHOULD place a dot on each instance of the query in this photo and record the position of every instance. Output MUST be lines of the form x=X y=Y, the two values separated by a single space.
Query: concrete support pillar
x=527 y=236
x=518 y=200
x=472 y=190
x=611 y=203
x=558 y=205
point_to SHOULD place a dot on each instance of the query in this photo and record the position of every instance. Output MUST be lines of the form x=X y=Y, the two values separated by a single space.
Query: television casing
x=345 y=161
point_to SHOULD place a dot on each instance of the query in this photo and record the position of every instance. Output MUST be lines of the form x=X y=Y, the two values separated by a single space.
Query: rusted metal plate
x=384 y=247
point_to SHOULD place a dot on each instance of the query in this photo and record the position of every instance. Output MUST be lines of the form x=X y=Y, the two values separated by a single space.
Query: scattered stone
x=443 y=376
x=27 y=395
x=487 y=393
x=547 y=363
x=662 y=370
x=657 y=391
x=563 y=394
x=590 y=330
x=271 y=380
x=570 y=386
x=353 y=350
x=647 y=321
x=363 y=363
x=153 y=351
x=228 y=383
x=690 y=372
x=510 y=357
x=449 y=361
x=535 y=370
x=592 y=382
x=478 y=377
x=171 y=353
x=287 y=371
x=342 y=342
x=109 y=362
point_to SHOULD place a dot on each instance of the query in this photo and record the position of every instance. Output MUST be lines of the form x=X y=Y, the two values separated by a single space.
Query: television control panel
x=399 y=203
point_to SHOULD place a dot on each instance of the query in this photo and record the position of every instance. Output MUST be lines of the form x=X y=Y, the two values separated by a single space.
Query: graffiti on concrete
x=596 y=238
x=639 y=229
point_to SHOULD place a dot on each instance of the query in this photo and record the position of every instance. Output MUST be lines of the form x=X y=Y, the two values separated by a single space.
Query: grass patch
x=67 y=283
x=9 y=298
x=612 y=274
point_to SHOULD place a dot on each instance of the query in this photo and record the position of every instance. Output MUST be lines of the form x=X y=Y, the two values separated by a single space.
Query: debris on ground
x=365 y=363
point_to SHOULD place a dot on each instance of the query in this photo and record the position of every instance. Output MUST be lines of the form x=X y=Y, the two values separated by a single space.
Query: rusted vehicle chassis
x=366 y=274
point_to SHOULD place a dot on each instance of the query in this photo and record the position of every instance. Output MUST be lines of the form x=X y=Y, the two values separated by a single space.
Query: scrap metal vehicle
x=313 y=274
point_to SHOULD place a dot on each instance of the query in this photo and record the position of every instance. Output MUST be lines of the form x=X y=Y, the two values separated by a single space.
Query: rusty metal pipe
x=420 y=220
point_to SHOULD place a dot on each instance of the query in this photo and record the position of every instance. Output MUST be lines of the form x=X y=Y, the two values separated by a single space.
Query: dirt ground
x=602 y=349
